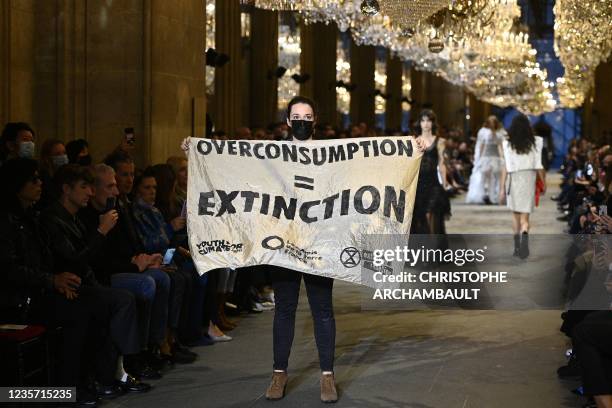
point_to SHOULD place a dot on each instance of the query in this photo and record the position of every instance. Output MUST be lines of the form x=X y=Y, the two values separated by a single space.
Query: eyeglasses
x=35 y=179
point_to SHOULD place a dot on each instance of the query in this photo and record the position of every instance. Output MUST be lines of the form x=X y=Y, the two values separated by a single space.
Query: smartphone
x=110 y=204
x=130 y=138
x=184 y=209
x=168 y=256
x=578 y=173
x=603 y=209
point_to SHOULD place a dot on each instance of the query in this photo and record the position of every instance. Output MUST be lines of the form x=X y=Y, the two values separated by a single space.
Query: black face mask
x=84 y=160
x=301 y=129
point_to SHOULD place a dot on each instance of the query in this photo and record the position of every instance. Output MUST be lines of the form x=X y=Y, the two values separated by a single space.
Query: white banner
x=305 y=206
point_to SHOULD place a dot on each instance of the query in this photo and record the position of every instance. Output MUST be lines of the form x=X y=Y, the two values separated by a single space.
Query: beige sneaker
x=276 y=389
x=328 y=388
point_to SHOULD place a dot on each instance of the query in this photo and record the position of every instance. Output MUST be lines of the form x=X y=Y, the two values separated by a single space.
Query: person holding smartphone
x=127 y=265
x=301 y=118
x=73 y=249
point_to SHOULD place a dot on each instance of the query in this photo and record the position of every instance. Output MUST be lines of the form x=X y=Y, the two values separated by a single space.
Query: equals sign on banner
x=304 y=182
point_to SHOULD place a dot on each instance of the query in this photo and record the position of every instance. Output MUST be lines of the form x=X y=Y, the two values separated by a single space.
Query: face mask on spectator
x=84 y=160
x=59 y=160
x=26 y=150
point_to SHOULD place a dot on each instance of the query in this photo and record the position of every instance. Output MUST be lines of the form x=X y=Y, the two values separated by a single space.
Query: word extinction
x=366 y=200
x=290 y=152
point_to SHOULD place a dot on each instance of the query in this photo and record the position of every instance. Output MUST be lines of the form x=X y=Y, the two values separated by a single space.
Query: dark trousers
x=98 y=325
x=191 y=328
x=286 y=284
x=181 y=287
x=210 y=311
x=152 y=290
x=593 y=346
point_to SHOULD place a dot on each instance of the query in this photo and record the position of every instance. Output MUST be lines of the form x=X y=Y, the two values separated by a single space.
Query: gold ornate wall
x=88 y=69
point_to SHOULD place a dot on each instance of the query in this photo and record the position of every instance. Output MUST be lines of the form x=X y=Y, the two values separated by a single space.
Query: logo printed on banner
x=219 y=245
x=269 y=242
x=350 y=257
x=301 y=254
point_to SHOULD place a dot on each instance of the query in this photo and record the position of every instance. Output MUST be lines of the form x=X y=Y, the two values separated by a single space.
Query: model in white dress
x=488 y=163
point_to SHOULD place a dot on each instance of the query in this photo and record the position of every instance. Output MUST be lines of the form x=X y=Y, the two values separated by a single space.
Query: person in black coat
x=32 y=290
x=73 y=248
x=122 y=262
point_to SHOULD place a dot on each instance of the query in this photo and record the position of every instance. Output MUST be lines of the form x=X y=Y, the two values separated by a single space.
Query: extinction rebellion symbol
x=350 y=257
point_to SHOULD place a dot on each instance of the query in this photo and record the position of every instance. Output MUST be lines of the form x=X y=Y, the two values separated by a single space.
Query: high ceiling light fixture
x=370 y=7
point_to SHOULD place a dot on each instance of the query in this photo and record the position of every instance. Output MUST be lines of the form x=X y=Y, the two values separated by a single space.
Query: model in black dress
x=431 y=203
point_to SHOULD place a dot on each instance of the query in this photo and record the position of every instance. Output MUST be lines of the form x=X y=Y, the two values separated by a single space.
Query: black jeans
x=98 y=325
x=181 y=287
x=594 y=351
x=286 y=284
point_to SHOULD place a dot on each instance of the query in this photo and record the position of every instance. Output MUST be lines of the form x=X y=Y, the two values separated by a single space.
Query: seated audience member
x=128 y=266
x=30 y=291
x=78 y=152
x=191 y=332
x=179 y=166
x=243 y=133
x=73 y=248
x=593 y=347
x=17 y=141
x=156 y=235
x=52 y=157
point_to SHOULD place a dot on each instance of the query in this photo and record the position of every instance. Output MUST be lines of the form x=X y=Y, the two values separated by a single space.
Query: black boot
x=524 y=249
x=517 y=244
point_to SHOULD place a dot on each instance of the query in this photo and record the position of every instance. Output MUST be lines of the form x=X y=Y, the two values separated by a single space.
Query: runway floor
x=417 y=359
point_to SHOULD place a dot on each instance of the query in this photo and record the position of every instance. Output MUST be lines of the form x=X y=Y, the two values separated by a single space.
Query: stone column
x=417 y=92
x=307 y=58
x=228 y=95
x=5 y=30
x=90 y=69
x=479 y=111
x=17 y=27
x=394 y=88
x=362 y=75
x=175 y=70
x=598 y=116
x=318 y=42
x=264 y=59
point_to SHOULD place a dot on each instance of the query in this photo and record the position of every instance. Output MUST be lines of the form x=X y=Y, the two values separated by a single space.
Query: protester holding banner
x=523 y=157
x=431 y=204
x=301 y=117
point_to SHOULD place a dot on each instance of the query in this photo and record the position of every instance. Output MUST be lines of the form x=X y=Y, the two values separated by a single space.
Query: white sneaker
x=268 y=305
x=257 y=307
x=219 y=339
x=231 y=305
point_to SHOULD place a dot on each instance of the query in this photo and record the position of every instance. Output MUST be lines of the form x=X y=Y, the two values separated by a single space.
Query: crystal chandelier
x=583 y=39
x=471 y=43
